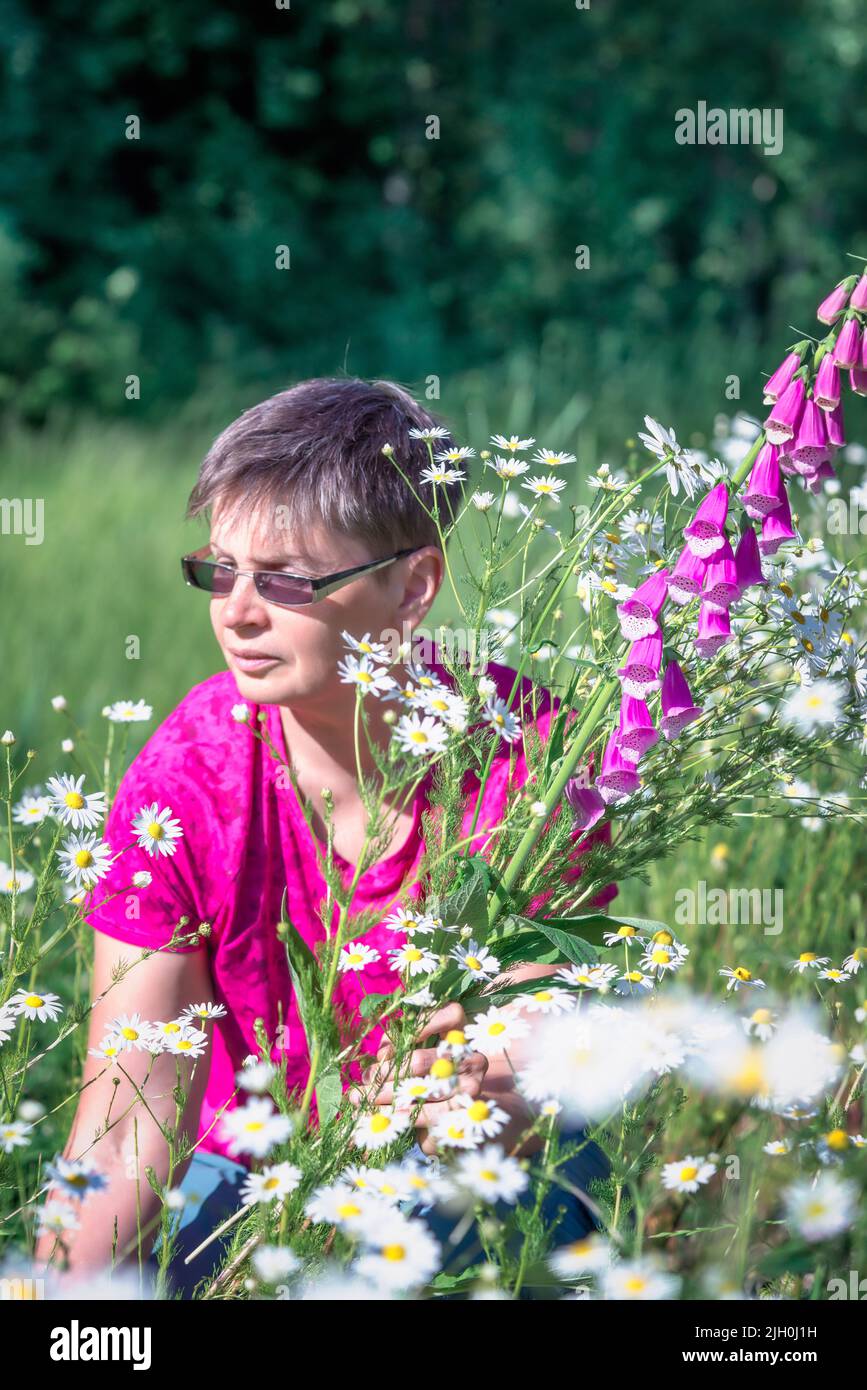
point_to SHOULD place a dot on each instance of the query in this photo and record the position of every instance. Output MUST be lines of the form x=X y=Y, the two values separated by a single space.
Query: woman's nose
x=243 y=605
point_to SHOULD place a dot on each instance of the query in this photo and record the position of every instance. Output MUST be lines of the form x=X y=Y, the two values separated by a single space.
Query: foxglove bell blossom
x=720 y=580
x=687 y=577
x=764 y=485
x=777 y=527
x=617 y=776
x=641 y=671
x=748 y=562
x=834 y=303
x=810 y=445
x=714 y=630
x=678 y=708
x=826 y=389
x=705 y=534
x=635 y=733
x=782 y=423
x=859 y=295
x=587 y=805
x=847 y=350
x=638 y=615
x=834 y=426
x=780 y=379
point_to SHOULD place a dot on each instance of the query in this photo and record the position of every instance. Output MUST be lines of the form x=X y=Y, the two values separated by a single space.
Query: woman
x=297 y=486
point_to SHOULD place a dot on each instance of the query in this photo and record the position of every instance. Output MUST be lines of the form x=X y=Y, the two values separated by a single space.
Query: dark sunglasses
x=287 y=590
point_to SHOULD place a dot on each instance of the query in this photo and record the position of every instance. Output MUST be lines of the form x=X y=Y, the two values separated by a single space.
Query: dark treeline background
x=306 y=127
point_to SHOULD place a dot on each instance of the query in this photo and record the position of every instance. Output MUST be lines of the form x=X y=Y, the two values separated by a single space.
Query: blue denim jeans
x=211 y=1187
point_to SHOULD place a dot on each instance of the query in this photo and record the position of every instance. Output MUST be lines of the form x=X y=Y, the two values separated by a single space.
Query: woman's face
x=289 y=656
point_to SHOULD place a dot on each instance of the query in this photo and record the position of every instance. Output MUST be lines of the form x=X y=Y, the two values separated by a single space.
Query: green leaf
x=373 y=1004
x=329 y=1092
x=574 y=948
x=466 y=904
x=593 y=924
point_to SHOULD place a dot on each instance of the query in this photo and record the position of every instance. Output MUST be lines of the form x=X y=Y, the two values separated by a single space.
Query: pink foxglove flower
x=763 y=489
x=587 y=805
x=834 y=426
x=847 y=352
x=858 y=379
x=640 y=675
x=687 y=577
x=706 y=532
x=714 y=629
x=678 y=708
x=720 y=580
x=826 y=388
x=777 y=527
x=638 y=615
x=748 y=561
x=635 y=733
x=777 y=383
x=834 y=303
x=810 y=445
x=617 y=776
x=859 y=294
x=815 y=480
x=781 y=424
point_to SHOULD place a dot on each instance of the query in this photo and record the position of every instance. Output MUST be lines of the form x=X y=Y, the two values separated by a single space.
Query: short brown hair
x=316 y=450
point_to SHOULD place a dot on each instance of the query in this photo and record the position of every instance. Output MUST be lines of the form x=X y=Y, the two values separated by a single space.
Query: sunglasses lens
x=216 y=579
x=283 y=588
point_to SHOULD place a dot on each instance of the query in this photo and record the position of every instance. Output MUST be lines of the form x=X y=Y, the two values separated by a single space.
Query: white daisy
x=77 y=1177
x=513 y=444
x=413 y=959
x=483 y=1116
x=638 y=1280
x=687 y=1174
x=547 y=1001
x=127 y=712
x=189 y=1042
x=157 y=831
x=274 y=1263
x=476 y=960
x=131 y=1032
x=453 y=1131
x=19 y=882
x=545 y=487
x=380 y=1128
x=361 y=671
x=490 y=1175
x=507 y=468
x=403 y=919
x=356 y=956
x=202 y=1011
x=495 y=1031
x=398 y=1254
x=275 y=1180
x=807 y=960
x=507 y=725
x=740 y=976
x=256 y=1077
x=455 y=455
x=56 y=1217
x=255 y=1128
x=811 y=706
x=71 y=806
x=32 y=809
x=13 y=1135
x=84 y=860
x=420 y=735
x=338 y=1204
x=821 y=1207
x=34 y=1004
x=439 y=473
x=549 y=459
x=586 y=1255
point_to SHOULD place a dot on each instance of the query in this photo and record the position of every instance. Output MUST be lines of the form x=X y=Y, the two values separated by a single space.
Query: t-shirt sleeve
x=148 y=914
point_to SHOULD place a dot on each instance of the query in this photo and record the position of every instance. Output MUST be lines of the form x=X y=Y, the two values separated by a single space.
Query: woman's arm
x=111 y=1122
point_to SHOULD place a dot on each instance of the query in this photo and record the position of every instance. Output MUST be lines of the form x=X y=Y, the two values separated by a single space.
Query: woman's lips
x=253 y=662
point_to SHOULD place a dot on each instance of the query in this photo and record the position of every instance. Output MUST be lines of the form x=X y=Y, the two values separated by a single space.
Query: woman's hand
x=378 y=1078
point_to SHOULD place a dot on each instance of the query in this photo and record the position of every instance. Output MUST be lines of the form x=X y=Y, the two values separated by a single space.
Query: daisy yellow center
x=355 y=957
x=816 y=1209
x=749 y=1079
x=634 y=976
x=478 y=1111
x=542 y=996
x=859 y=953
x=456 y=1132
x=762 y=1016
x=498 y=719
x=33 y=1001
x=394 y=1253
x=580 y=1247
x=172 y=1028
x=418 y=736
x=155 y=830
x=412 y=953
x=626 y=931
x=488 y=1175
x=456 y=1037
x=496 y=1029
x=688 y=1172
x=253 y=1125
x=270 y=1183
x=388 y=1189
x=837 y=1139
x=814 y=702
x=83 y=858
x=130 y=1033
x=661 y=956
x=379 y=1124
x=442 y=1069
x=348 y=1209
x=609 y=586
x=807 y=956
x=74 y=800
x=76 y=1180
x=472 y=963
x=635 y=1283
x=663 y=938
x=364 y=677
x=184 y=1045
x=741 y=973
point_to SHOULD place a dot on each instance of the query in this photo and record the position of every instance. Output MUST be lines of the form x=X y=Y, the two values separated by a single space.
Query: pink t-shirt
x=245 y=841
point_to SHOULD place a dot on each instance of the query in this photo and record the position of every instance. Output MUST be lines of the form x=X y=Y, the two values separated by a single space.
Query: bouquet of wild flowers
x=715 y=660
